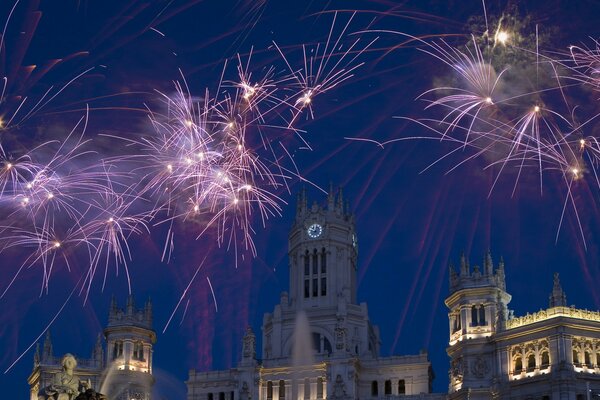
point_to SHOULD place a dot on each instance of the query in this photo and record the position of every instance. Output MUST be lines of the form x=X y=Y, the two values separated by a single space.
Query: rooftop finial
x=331 y=197
x=464 y=265
x=558 y=298
x=340 y=199
x=488 y=264
x=130 y=305
x=47 y=345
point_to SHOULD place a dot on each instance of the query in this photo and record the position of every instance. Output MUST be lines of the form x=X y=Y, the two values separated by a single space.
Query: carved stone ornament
x=244 y=392
x=479 y=367
x=339 y=389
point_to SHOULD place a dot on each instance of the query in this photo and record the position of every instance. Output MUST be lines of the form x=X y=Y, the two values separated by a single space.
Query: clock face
x=314 y=231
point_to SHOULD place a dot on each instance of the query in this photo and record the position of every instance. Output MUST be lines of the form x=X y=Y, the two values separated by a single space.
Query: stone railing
x=554 y=312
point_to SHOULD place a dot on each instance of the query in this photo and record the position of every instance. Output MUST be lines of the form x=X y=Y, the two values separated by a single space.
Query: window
x=530 y=363
x=315 y=289
x=316 y=342
x=138 y=351
x=545 y=359
x=306 y=288
x=231 y=395
x=587 y=359
x=598 y=359
x=306 y=388
x=118 y=349
x=474 y=316
x=323 y=261
x=306 y=263
x=518 y=365
x=315 y=267
x=482 y=321
x=282 y=389
x=575 y=357
x=387 y=387
x=269 y=390
x=319 y=388
x=210 y=396
x=401 y=387
x=221 y=395
x=374 y=389
x=323 y=286
x=456 y=323
x=326 y=346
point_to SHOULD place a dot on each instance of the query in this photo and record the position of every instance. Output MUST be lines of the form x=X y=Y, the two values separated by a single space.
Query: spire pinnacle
x=488 y=264
x=464 y=265
x=558 y=298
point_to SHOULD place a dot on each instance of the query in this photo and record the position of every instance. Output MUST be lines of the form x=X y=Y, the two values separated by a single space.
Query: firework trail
x=513 y=105
x=219 y=162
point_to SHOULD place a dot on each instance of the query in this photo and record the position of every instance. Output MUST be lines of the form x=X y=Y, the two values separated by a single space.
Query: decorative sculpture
x=67 y=386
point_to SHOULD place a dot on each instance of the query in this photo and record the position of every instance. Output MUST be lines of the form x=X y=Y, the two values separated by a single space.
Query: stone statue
x=65 y=385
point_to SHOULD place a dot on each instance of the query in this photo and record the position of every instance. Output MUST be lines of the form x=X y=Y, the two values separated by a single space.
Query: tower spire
x=464 y=265
x=47 y=353
x=488 y=264
x=558 y=298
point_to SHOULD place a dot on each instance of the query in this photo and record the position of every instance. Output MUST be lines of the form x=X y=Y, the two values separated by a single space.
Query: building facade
x=318 y=342
x=553 y=354
x=122 y=372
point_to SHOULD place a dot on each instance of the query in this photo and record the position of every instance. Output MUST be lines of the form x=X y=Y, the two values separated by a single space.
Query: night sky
x=411 y=223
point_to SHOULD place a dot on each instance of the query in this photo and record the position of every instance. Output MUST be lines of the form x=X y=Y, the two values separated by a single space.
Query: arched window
x=474 y=316
x=323 y=261
x=482 y=321
x=269 y=390
x=306 y=263
x=518 y=365
x=588 y=359
x=138 y=351
x=456 y=323
x=210 y=396
x=327 y=346
x=231 y=395
x=117 y=349
x=374 y=389
x=545 y=359
x=282 y=389
x=401 y=387
x=576 y=357
x=315 y=267
x=307 y=388
x=319 y=388
x=221 y=395
x=530 y=362
x=387 y=388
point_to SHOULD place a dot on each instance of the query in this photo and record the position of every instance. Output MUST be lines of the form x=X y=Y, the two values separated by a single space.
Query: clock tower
x=322 y=253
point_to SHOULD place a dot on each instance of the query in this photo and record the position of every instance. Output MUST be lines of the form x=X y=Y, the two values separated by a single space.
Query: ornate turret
x=323 y=252
x=477 y=310
x=129 y=336
x=558 y=298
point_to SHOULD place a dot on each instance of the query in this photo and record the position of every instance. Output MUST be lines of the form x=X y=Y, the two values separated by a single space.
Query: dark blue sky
x=410 y=225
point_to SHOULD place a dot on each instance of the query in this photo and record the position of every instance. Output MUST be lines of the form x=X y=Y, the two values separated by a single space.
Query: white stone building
x=553 y=354
x=318 y=342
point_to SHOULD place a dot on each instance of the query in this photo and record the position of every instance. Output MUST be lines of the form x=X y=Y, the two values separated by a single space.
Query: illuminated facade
x=553 y=354
x=123 y=372
x=318 y=342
